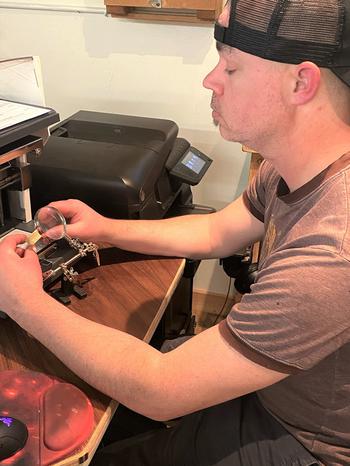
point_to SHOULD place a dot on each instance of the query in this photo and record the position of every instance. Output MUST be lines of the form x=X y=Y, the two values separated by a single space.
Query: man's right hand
x=82 y=221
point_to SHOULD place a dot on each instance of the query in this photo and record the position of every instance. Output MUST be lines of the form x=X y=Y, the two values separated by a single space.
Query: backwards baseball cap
x=292 y=31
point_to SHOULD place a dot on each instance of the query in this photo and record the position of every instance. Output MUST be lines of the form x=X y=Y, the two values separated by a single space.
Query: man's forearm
x=187 y=236
x=208 y=236
x=114 y=362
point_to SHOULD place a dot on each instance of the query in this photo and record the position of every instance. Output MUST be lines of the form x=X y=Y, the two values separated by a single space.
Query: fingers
x=69 y=207
x=25 y=253
x=11 y=241
x=18 y=262
x=54 y=233
x=20 y=252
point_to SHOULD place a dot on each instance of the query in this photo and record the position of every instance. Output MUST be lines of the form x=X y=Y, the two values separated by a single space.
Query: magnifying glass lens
x=50 y=223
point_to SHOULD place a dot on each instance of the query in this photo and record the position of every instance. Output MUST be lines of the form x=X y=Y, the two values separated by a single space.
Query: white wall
x=93 y=62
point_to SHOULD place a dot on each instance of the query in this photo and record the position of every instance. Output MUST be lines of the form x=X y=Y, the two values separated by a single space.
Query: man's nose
x=212 y=82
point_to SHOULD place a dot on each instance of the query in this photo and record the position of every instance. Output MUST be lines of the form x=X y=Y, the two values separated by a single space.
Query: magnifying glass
x=50 y=225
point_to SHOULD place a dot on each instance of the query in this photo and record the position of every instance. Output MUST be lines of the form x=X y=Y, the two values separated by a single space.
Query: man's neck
x=301 y=156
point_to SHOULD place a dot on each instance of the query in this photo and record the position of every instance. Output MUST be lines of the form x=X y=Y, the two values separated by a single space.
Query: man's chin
x=225 y=133
x=228 y=135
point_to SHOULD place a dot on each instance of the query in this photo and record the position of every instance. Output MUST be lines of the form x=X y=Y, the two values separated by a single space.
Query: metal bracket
x=156 y=3
x=70 y=274
x=84 y=248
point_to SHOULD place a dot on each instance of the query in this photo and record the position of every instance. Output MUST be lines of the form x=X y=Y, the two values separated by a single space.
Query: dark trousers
x=236 y=433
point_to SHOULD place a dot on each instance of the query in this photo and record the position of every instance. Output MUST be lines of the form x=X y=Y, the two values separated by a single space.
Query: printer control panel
x=191 y=167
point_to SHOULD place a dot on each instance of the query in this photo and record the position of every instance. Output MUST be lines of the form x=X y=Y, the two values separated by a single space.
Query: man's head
x=291 y=31
x=273 y=55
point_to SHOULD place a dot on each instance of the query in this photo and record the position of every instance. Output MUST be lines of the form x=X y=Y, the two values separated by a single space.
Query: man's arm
x=202 y=372
x=196 y=236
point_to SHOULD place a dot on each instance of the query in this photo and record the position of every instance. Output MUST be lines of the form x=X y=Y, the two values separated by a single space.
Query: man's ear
x=306 y=77
x=224 y=17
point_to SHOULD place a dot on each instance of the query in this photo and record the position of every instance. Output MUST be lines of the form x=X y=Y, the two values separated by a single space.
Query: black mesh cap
x=292 y=31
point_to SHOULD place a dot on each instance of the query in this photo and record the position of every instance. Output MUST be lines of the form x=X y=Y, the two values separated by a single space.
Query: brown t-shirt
x=297 y=316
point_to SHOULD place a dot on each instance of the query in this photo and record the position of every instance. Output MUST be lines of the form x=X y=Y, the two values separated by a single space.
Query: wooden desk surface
x=129 y=292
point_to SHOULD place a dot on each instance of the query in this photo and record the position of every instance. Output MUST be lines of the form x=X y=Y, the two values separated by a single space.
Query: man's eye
x=229 y=72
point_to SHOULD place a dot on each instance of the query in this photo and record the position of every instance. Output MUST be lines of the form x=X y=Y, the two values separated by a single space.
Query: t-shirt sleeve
x=298 y=311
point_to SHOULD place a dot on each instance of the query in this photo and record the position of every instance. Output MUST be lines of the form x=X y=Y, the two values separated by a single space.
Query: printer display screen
x=193 y=162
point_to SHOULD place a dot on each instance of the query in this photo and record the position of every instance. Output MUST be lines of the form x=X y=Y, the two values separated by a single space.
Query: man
x=269 y=385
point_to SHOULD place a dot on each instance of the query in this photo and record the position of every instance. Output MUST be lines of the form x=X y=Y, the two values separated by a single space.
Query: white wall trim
x=47 y=7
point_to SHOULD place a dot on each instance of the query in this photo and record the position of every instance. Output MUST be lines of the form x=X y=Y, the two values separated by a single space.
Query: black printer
x=123 y=166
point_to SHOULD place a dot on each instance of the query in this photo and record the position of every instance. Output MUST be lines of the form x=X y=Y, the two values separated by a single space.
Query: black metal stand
x=67 y=289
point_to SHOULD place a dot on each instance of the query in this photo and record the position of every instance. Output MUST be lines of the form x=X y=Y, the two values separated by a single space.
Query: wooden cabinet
x=184 y=11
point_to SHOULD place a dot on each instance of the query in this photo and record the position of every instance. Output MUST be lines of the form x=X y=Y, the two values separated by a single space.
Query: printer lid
x=155 y=134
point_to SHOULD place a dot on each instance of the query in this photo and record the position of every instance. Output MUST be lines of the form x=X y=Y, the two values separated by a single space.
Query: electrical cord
x=223 y=306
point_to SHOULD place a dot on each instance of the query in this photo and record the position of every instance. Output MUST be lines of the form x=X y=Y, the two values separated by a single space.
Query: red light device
x=59 y=416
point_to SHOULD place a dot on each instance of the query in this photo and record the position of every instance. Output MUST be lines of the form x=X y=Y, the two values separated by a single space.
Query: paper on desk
x=21 y=80
x=12 y=113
